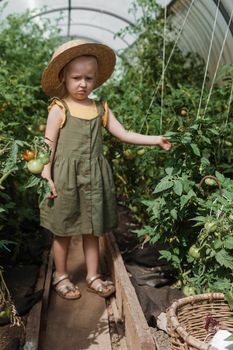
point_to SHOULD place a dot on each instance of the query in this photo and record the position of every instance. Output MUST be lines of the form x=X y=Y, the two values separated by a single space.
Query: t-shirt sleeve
x=105 y=115
x=57 y=102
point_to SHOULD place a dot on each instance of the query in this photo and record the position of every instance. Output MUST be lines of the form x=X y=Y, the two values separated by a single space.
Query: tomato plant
x=164 y=186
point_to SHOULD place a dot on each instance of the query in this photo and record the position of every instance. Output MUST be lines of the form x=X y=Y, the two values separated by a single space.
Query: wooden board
x=137 y=331
x=35 y=319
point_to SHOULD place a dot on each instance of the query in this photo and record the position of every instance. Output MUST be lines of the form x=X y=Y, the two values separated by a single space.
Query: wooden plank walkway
x=79 y=324
x=57 y=324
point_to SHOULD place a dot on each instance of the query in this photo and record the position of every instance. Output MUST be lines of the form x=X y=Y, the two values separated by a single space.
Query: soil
x=20 y=275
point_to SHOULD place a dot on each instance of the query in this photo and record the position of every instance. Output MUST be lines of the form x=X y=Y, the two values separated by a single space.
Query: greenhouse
x=116 y=175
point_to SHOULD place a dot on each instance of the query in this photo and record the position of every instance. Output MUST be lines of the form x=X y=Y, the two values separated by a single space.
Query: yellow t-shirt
x=83 y=112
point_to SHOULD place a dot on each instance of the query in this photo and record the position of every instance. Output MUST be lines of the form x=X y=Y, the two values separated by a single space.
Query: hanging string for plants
x=229 y=104
x=217 y=66
x=208 y=58
x=165 y=66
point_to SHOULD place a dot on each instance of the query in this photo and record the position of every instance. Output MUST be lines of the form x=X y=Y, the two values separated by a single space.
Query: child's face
x=80 y=77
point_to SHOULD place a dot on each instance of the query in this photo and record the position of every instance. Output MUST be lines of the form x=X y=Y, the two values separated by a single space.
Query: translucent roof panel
x=97 y=20
x=207 y=29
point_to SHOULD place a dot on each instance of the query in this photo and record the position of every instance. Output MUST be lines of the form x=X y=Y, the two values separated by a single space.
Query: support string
x=208 y=59
x=217 y=66
x=229 y=104
x=168 y=61
x=163 y=68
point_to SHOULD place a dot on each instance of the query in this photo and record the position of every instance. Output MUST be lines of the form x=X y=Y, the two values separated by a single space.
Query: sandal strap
x=107 y=283
x=57 y=279
x=66 y=288
x=103 y=284
x=90 y=280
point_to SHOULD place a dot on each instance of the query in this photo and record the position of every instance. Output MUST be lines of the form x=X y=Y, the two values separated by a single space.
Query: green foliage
x=25 y=48
x=162 y=188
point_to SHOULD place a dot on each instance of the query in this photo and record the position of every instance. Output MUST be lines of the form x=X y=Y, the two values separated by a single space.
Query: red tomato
x=28 y=154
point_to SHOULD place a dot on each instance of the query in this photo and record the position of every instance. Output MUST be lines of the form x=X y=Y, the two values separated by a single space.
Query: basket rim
x=171 y=316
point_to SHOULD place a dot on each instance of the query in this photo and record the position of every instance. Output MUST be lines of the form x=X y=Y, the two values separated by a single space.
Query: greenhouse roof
x=205 y=26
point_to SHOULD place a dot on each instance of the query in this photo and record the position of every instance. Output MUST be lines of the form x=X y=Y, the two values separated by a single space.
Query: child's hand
x=53 y=193
x=163 y=142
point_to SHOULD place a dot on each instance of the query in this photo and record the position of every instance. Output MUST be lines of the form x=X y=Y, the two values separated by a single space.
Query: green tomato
x=3 y=314
x=141 y=151
x=188 y=291
x=210 y=182
x=194 y=252
x=35 y=166
x=227 y=143
x=44 y=158
x=128 y=154
x=210 y=226
x=6 y=312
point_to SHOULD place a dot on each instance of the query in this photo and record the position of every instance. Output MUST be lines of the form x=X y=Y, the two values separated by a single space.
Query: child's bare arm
x=51 y=136
x=117 y=129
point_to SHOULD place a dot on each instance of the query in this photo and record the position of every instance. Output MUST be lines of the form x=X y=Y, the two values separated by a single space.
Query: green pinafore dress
x=85 y=202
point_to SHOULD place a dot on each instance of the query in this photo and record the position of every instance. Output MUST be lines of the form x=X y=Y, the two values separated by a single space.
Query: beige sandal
x=99 y=289
x=63 y=289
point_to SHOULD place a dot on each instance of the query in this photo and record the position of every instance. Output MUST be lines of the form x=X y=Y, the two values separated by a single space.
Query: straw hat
x=65 y=53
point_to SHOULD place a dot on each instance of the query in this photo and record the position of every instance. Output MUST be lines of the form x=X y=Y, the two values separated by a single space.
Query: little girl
x=82 y=199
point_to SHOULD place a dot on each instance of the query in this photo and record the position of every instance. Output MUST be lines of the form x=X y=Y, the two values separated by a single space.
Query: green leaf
x=165 y=254
x=43 y=191
x=178 y=188
x=174 y=213
x=195 y=149
x=186 y=198
x=219 y=176
x=33 y=181
x=228 y=242
x=162 y=186
x=224 y=259
x=218 y=243
x=144 y=230
x=205 y=161
x=169 y=171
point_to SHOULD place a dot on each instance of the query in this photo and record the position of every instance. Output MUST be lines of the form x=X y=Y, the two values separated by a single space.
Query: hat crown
x=67 y=45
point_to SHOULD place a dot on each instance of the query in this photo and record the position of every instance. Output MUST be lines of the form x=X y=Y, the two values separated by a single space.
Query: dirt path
x=80 y=324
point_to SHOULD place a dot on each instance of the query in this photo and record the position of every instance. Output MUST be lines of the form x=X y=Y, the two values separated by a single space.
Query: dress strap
x=55 y=99
x=102 y=109
x=63 y=105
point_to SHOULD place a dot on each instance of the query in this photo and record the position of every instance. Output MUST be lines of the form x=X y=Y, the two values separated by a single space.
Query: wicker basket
x=186 y=320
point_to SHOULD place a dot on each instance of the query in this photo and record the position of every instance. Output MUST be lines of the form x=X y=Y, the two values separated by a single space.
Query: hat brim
x=106 y=60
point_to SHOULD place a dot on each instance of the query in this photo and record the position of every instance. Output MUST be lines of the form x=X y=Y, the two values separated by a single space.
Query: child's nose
x=83 y=82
